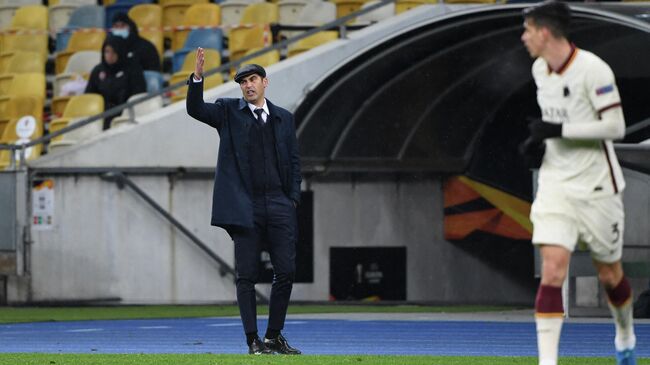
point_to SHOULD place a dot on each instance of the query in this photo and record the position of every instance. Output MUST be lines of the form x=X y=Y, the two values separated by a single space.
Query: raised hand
x=200 y=60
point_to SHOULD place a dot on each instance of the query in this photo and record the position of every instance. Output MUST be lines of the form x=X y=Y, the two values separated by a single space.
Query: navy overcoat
x=231 y=198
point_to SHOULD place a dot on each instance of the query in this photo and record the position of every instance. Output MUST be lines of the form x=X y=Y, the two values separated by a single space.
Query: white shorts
x=599 y=223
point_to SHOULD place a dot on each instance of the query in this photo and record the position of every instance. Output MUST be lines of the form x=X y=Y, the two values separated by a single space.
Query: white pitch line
x=153 y=327
x=86 y=330
x=224 y=324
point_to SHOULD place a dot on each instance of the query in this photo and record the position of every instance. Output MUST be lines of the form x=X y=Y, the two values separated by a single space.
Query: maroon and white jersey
x=575 y=95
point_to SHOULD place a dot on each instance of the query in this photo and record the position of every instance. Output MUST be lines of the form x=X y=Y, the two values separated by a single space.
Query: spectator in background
x=140 y=50
x=115 y=78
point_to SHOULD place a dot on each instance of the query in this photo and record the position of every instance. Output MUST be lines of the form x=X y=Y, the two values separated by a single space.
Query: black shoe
x=281 y=346
x=257 y=347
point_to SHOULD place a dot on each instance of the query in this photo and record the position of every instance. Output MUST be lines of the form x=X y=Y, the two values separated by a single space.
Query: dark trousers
x=275 y=225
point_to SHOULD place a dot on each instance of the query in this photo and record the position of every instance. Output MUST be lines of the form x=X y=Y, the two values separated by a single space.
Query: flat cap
x=249 y=69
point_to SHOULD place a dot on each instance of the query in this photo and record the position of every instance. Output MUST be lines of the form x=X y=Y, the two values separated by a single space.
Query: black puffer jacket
x=140 y=50
x=116 y=82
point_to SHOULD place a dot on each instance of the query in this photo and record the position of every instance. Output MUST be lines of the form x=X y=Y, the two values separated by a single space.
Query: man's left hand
x=541 y=130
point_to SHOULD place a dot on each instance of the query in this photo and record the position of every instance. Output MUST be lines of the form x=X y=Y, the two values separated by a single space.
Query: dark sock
x=272 y=334
x=250 y=337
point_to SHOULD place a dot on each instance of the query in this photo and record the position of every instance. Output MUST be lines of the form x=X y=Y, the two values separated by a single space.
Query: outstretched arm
x=210 y=114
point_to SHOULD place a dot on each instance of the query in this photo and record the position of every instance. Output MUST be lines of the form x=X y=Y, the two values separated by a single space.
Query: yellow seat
x=21 y=62
x=21 y=105
x=25 y=84
x=312 y=41
x=260 y=13
x=264 y=60
x=20 y=131
x=345 y=7
x=30 y=17
x=149 y=19
x=212 y=61
x=24 y=40
x=173 y=15
x=80 y=40
x=405 y=5
x=244 y=38
x=79 y=107
x=190 y=2
x=29 y=21
x=199 y=15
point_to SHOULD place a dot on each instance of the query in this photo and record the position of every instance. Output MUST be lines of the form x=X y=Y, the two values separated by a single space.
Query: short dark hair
x=555 y=15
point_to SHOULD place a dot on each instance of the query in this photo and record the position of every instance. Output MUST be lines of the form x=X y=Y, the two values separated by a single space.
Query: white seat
x=80 y=134
x=80 y=64
x=20 y=2
x=59 y=15
x=139 y=109
x=317 y=13
x=289 y=10
x=78 y=2
x=376 y=15
x=7 y=12
x=232 y=11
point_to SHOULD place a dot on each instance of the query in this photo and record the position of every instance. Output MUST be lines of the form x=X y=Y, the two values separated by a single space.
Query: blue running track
x=312 y=336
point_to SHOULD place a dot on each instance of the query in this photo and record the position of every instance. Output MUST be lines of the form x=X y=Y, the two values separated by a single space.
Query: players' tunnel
x=451 y=96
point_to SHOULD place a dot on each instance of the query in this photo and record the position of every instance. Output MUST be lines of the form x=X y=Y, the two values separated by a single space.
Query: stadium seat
x=205 y=38
x=84 y=17
x=264 y=60
x=139 y=110
x=79 y=65
x=289 y=11
x=78 y=108
x=345 y=7
x=190 y=2
x=155 y=81
x=471 y=1
x=212 y=60
x=60 y=16
x=405 y=5
x=197 y=15
x=24 y=84
x=20 y=131
x=28 y=26
x=7 y=12
x=310 y=42
x=19 y=106
x=21 y=62
x=81 y=40
x=121 y=6
x=317 y=13
x=245 y=38
x=260 y=13
x=148 y=18
x=30 y=17
x=25 y=40
x=72 y=2
x=231 y=13
x=173 y=15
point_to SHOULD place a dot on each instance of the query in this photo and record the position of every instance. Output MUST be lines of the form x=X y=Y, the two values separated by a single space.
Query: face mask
x=121 y=32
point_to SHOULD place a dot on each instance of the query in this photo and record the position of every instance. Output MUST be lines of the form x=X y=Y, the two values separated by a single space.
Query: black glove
x=533 y=152
x=541 y=130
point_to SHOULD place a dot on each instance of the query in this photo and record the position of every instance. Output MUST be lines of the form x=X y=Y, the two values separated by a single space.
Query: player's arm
x=610 y=126
x=606 y=101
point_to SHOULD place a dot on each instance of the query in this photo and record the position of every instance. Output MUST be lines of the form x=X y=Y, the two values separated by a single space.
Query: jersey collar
x=567 y=63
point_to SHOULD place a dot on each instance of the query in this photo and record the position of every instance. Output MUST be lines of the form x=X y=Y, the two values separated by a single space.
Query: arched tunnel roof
x=452 y=95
